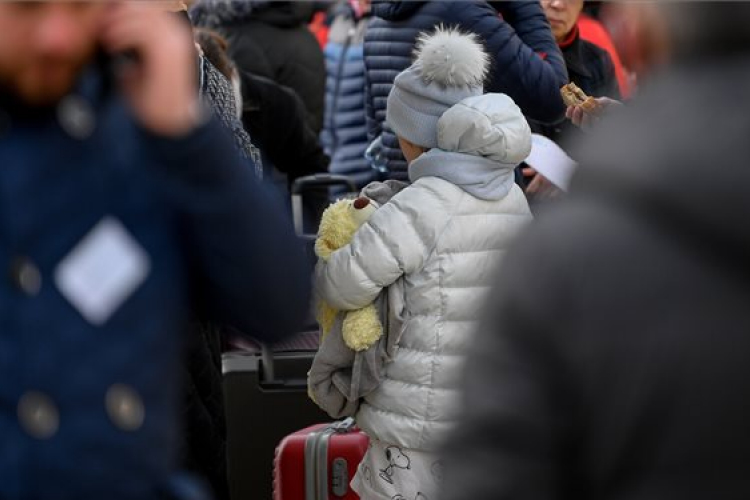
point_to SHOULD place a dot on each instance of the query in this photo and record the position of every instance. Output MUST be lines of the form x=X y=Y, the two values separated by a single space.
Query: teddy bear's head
x=339 y=223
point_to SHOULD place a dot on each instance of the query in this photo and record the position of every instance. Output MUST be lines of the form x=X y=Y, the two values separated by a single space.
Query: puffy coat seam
x=463 y=252
x=422 y=421
x=497 y=214
x=410 y=349
x=417 y=384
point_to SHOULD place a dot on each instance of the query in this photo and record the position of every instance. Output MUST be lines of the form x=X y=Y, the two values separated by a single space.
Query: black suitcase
x=265 y=390
x=265 y=387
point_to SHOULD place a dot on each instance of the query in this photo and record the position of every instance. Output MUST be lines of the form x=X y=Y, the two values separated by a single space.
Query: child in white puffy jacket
x=442 y=236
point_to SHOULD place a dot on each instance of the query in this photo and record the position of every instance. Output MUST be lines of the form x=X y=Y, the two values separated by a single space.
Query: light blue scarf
x=479 y=176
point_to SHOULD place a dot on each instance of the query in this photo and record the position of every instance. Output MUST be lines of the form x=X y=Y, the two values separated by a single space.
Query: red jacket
x=594 y=32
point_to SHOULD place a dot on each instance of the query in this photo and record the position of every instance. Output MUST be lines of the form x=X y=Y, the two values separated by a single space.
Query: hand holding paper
x=549 y=160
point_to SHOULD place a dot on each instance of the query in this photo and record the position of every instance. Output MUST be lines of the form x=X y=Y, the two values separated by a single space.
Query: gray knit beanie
x=449 y=66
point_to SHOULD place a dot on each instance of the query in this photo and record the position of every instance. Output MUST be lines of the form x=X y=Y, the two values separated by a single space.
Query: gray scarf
x=479 y=176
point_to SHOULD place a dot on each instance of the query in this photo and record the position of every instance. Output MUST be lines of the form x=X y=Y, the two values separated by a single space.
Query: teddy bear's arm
x=384 y=249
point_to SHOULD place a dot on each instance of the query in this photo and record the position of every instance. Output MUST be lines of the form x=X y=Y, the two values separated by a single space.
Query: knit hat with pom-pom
x=449 y=67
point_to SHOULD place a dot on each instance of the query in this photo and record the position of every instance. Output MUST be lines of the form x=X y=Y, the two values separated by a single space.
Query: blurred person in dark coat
x=613 y=362
x=123 y=206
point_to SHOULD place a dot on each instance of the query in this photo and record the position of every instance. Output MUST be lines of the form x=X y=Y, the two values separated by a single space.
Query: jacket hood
x=491 y=126
x=678 y=157
x=216 y=13
x=394 y=10
x=480 y=142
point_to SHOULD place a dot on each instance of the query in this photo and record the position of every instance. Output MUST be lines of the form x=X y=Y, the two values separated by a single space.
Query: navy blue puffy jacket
x=344 y=135
x=526 y=62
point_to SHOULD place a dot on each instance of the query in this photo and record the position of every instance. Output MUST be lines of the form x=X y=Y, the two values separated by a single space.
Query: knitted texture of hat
x=451 y=58
x=449 y=67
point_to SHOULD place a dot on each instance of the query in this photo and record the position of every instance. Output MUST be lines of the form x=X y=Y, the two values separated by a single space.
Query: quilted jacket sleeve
x=527 y=63
x=396 y=240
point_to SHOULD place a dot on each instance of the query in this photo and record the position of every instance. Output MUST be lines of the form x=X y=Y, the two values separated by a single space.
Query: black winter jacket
x=205 y=437
x=273 y=41
x=526 y=62
x=275 y=117
x=589 y=67
x=614 y=363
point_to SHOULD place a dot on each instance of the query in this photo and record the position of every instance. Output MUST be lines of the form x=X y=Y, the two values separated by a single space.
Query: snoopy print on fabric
x=367 y=474
x=437 y=471
x=396 y=460
x=420 y=496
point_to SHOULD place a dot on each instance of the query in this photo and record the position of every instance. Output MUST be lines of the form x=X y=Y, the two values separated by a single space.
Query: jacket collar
x=572 y=49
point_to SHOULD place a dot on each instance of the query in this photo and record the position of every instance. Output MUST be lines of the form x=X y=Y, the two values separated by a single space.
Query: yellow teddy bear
x=361 y=328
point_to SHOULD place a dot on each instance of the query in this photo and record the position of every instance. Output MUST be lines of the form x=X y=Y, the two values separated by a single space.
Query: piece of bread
x=572 y=95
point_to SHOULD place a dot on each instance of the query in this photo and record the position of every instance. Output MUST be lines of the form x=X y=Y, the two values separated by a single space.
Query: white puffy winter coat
x=444 y=244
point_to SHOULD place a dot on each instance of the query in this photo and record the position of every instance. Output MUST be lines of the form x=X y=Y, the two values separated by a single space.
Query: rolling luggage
x=265 y=387
x=318 y=463
x=265 y=392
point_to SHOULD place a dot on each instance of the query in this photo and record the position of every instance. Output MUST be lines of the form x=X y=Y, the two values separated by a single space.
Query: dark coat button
x=38 y=415
x=76 y=117
x=124 y=407
x=26 y=276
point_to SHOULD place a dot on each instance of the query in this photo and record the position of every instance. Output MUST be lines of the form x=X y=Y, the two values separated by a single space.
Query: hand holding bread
x=583 y=110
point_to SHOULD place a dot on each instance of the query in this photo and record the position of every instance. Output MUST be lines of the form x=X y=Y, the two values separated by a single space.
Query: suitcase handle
x=267 y=374
x=310 y=182
x=344 y=426
x=322 y=180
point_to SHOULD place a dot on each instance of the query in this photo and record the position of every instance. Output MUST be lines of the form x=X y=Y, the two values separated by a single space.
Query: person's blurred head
x=44 y=45
x=562 y=16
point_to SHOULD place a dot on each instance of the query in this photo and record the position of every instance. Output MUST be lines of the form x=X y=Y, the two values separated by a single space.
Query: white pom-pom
x=452 y=58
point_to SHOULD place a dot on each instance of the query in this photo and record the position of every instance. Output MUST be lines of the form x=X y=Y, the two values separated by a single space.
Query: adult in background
x=613 y=362
x=345 y=129
x=124 y=205
x=271 y=39
x=273 y=114
x=589 y=67
x=526 y=63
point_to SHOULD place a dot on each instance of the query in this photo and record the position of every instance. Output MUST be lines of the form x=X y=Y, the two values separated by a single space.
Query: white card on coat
x=102 y=271
x=551 y=161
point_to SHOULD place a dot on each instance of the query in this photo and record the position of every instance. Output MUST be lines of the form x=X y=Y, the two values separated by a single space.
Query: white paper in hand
x=102 y=271
x=551 y=161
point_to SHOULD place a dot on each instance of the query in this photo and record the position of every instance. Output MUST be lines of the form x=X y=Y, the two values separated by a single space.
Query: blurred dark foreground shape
x=124 y=206
x=612 y=363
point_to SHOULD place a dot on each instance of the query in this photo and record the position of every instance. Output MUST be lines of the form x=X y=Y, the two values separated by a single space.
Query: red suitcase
x=317 y=463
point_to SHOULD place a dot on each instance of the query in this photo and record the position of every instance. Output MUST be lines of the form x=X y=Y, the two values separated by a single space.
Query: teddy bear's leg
x=362 y=328
x=326 y=316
